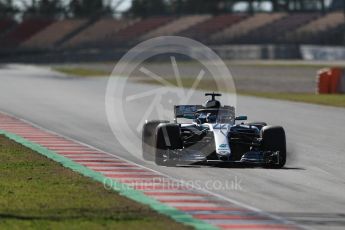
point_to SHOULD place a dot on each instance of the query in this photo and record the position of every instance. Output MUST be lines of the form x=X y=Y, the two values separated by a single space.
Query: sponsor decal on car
x=223 y=146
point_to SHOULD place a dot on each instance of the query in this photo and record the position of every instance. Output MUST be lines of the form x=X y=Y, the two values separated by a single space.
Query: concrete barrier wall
x=330 y=53
x=246 y=52
x=238 y=52
x=249 y=52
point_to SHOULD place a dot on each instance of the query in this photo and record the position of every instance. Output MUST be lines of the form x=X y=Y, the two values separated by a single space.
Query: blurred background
x=47 y=31
x=56 y=57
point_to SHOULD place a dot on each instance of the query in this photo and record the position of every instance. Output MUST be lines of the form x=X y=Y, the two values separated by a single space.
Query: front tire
x=168 y=139
x=148 y=139
x=273 y=139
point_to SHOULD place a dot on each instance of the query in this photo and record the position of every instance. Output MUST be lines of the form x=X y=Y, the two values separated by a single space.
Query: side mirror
x=241 y=118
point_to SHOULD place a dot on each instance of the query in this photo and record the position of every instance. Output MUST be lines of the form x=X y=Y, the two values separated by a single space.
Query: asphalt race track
x=310 y=190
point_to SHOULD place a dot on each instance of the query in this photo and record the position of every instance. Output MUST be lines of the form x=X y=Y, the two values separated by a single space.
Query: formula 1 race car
x=210 y=135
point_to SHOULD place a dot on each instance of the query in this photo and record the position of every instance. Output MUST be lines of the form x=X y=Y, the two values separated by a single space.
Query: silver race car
x=210 y=134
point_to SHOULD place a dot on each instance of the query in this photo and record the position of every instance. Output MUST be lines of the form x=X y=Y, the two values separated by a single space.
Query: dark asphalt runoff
x=310 y=190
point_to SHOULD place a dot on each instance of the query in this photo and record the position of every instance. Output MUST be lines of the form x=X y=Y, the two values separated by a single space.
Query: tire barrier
x=330 y=81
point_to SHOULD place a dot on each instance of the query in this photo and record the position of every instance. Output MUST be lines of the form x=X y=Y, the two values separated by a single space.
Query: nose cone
x=224 y=157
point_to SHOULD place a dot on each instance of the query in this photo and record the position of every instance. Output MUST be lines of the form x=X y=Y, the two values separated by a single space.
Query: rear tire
x=168 y=138
x=148 y=139
x=273 y=139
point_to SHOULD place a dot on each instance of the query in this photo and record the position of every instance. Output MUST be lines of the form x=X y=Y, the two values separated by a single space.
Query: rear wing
x=186 y=111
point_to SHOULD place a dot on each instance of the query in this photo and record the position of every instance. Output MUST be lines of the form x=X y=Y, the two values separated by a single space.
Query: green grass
x=337 y=100
x=81 y=72
x=210 y=85
x=285 y=64
x=38 y=193
x=205 y=84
